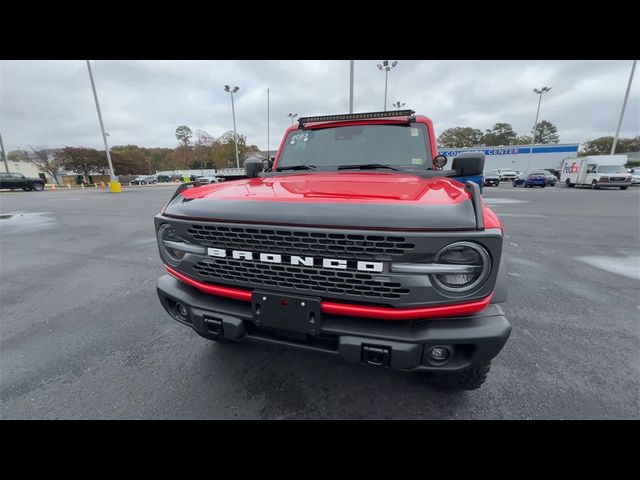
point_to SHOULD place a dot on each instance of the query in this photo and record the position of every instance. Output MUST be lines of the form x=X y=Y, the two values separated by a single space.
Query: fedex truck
x=595 y=171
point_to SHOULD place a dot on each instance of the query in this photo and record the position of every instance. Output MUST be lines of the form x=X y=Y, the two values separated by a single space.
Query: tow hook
x=213 y=326
x=376 y=356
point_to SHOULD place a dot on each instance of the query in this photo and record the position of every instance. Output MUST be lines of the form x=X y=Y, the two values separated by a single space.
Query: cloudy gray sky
x=50 y=103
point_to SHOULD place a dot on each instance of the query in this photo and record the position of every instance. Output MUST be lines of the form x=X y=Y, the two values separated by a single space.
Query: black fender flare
x=500 y=291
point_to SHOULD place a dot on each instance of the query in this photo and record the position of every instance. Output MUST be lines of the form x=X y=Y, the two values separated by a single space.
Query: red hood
x=355 y=200
x=359 y=187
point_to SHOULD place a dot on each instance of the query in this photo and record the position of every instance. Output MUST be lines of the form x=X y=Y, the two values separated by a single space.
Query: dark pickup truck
x=16 y=181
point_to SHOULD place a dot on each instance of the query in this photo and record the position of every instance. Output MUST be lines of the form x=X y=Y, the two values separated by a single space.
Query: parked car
x=531 y=179
x=554 y=172
x=145 y=180
x=635 y=175
x=551 y=178
x=14 y=181
x=207 y=180
x=491 y=177
x=507 y=174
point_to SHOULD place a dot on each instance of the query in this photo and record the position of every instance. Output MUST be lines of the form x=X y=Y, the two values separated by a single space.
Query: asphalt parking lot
x=83 y=335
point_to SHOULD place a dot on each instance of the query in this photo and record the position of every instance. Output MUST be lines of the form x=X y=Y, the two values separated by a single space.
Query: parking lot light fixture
x=398 y=105
x=233 y=90
x=386 y=68
x=533 y=132
x=292 y=116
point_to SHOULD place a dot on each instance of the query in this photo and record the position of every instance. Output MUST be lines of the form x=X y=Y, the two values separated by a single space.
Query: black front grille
x=296 y=242
x=309 y=280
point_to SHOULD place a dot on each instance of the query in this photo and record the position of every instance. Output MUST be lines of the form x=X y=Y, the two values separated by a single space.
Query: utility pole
x=624 y=106
x=4 y=156
x=351 y=86
x=533 y=132
x=112 y=174
x=268 y=136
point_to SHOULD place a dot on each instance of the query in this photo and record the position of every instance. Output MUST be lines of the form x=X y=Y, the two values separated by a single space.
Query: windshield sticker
x=416 y=161
x=414 y=132
x=300 y=137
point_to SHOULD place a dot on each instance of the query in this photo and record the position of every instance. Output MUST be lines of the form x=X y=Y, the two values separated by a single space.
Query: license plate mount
x=293 y=313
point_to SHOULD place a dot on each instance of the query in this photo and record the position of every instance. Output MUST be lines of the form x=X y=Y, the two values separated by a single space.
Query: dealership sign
x=514 y=150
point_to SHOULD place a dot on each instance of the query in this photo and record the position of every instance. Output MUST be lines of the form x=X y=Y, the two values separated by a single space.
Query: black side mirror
x=439 y=161
x=253 y=168
x=267 y=164
x=469 y=163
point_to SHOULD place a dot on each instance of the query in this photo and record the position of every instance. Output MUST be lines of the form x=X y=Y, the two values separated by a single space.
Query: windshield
x=611 y=169
x=402 y=146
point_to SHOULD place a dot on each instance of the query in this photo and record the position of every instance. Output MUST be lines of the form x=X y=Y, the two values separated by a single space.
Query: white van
x=595 y=171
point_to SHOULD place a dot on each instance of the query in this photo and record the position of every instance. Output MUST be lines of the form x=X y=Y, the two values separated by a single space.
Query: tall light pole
x=398 y=105
x=351 y=86
x=624 y=105
x=386 y=68
x=112 y=174
x=4 y=157
x=292 y=116
x=233 y=90
x=533 y=132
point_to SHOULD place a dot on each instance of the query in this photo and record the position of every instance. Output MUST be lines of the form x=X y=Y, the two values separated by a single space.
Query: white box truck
x=595 y=171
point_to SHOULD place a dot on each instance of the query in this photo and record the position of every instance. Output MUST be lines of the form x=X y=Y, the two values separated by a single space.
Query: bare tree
x=44 y=159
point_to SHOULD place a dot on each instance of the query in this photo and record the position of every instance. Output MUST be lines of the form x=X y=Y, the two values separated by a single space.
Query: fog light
x=181 y=310
x=438 y=353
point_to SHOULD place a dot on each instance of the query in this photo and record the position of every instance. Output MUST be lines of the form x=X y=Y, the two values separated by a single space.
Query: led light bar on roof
x=356 y=116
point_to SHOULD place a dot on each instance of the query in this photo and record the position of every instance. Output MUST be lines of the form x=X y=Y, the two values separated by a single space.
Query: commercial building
x=516 y=157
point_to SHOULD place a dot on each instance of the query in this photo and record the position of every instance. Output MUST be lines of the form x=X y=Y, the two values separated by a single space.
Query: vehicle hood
x=333 y=199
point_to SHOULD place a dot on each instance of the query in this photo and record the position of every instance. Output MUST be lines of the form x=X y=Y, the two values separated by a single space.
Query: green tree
x=500 y=134
x=459 y=137
x=523 y=140
x=131 y=159
x=82 y=160
x=602 y=146
x=184 y=134
x=203 y=150
x=546 y=132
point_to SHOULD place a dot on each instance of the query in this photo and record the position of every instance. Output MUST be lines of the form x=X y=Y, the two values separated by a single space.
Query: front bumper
x=471 y=340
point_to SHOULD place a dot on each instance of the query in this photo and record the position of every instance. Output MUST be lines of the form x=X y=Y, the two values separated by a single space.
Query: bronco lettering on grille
x=339 y=264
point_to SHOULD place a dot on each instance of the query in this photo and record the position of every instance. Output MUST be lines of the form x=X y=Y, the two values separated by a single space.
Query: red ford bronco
x=355 y=242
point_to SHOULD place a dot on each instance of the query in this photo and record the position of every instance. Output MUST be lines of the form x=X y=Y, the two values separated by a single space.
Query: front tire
x=568 y=183
x=623 y=188
x=594 y=185
x=470 y=378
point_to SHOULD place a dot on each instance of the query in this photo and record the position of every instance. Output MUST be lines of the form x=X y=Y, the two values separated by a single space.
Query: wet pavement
x=82 y=334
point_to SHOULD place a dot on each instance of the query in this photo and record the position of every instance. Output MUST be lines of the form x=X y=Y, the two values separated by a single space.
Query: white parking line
x=629 y=266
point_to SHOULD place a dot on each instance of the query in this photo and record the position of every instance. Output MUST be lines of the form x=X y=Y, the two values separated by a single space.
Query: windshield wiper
x=365 y=166
x=296 y=167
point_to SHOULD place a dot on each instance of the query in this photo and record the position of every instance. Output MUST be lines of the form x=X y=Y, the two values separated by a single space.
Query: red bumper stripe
x=334 y=308
x=236 y=293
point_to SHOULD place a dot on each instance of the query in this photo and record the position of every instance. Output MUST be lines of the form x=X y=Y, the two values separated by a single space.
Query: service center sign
x=515 y=150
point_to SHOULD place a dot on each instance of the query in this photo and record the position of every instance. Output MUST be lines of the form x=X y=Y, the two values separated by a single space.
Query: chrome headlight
x=472 y=267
